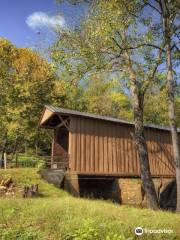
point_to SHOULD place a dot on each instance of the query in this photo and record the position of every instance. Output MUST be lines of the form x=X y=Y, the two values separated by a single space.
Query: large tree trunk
x=141 y=146
x=172 y=122
x=171 y=107
x=140 y=141
x=170 y=92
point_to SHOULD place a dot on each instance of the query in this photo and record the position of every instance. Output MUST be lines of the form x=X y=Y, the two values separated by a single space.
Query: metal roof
x=59 y=110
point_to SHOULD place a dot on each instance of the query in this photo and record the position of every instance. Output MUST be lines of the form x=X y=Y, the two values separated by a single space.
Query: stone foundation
x=54 y=176
x=71 y=184
x=120 y=190
x=131 y=192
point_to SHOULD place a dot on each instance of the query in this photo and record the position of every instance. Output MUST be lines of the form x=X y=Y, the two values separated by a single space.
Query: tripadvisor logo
x=138 y=231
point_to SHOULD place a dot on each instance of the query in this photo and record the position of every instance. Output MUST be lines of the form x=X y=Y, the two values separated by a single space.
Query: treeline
x=28 y=82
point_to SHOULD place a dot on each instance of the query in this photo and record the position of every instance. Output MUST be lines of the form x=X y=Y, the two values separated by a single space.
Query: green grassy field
x=57 y=215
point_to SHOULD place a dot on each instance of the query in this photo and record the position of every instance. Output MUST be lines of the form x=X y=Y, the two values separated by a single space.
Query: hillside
x=57 y=215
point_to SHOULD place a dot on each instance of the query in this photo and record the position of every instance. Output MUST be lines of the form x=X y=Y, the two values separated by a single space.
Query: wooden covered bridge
x=90 y=147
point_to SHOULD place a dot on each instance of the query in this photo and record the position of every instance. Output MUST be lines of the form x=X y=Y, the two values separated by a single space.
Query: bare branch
x=138 y=46
x=117 y=44
x=152 y=73
x=147 y=45
x=175 y=46
x=152 y=6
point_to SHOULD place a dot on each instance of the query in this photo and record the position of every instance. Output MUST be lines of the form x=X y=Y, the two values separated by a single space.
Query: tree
x=169 y=12
x=158 y=113
x=107 y=97
x=26 y=84
x=110 y=39
x=169 y=24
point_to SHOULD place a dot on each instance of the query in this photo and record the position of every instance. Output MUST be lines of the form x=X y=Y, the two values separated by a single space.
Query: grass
x=26 y=160
x=57 y=215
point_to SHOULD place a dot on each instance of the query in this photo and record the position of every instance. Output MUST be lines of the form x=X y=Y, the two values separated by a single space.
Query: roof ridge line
x=102 y=117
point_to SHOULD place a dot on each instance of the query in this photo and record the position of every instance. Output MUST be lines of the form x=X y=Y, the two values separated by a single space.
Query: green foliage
x=90 y=230
x=89 y=73
x=118 y=237
x=86 y=231
x=96 y=51
x=25 y=160
x=26 y=83
x=21 y=233
x=106 y=97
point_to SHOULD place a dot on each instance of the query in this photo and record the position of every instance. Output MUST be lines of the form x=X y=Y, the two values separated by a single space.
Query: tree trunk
x=172 y=121
x=140 y=142
x=3 y=151
x=170 y=92
x=141 y=146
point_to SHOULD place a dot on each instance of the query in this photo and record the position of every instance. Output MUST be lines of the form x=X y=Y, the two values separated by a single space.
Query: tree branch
x=138 y=46
x=117 y=44
x=175 y=46
x=153 y=7
x=152 y=73
x=147 y=45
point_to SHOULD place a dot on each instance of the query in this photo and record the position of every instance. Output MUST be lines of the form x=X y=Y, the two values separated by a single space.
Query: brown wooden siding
x=102 y=147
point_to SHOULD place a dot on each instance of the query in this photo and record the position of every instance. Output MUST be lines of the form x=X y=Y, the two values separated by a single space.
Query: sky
x=23 y=21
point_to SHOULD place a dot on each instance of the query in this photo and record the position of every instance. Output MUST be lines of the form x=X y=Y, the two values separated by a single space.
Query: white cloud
x=38 y=20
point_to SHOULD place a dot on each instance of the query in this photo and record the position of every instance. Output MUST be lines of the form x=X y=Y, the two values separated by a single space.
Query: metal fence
x=22 y=160
x=31 y=161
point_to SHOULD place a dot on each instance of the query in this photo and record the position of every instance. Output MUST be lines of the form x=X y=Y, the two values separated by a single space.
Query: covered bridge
x=90 y=146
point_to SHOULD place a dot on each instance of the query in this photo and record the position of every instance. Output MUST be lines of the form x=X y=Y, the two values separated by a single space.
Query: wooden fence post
x=16 y=158
x=5 y=160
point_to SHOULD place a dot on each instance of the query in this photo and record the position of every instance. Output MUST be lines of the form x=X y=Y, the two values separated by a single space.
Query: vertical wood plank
x=153 y=147
x=101 y=148
x=126 y=150
x=92 y=146
x=129 y=151
x=118 y=156
x=105 y=140
x=73 y=143
x=134 y=159
x=114 y=149
x=109 y=148
x=83 y=142
x=123 y=150
x=96 y=159
x=78 y=145
x=88 y=146
x=70 y=147
x=149 y=144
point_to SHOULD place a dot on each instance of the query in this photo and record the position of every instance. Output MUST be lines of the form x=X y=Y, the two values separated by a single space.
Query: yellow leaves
x=26 y=82
x=60 y=87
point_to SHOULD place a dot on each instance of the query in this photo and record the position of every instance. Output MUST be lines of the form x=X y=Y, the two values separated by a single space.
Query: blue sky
x=21 y=20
